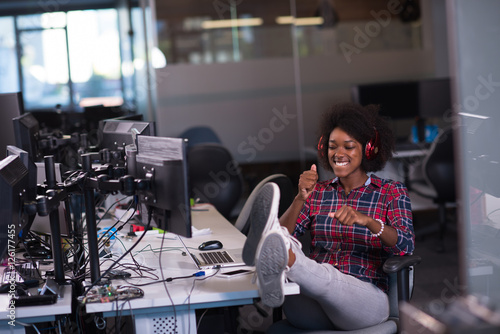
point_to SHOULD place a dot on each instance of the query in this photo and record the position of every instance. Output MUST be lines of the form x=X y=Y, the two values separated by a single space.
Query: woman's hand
x=346 y=215
x=307 y=182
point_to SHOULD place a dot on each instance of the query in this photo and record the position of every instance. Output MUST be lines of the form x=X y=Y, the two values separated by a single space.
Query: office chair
x=214 y=177
x=287 y=193
x=401 y=273
x=439 y=182
x=199 y=135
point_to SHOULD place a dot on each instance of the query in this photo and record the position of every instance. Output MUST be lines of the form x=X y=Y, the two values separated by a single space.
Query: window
x=8 y=66
x=67 y=58
x=94 y=53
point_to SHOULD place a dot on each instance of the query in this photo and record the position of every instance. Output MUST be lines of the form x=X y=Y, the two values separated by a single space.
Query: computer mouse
x=210 y=245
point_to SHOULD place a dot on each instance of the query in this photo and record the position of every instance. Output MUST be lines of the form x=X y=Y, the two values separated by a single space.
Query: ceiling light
x=300 y=21
x=216 y=24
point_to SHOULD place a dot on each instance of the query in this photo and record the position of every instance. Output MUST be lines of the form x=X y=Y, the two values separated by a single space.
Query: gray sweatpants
x=330 y=299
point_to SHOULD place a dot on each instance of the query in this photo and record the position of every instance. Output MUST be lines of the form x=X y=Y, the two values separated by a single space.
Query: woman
x=356 y=222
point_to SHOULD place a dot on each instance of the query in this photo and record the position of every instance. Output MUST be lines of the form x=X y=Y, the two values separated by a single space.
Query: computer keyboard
x=21 y=273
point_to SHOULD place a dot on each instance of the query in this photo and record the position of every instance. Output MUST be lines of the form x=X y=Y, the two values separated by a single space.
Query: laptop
x=221 y=258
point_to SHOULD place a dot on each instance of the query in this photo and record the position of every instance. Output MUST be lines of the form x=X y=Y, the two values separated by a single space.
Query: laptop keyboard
x=216 y=257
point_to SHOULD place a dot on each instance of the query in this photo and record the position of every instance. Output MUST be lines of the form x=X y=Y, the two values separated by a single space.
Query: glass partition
x=9 y=81
x=235 y=31
x=477 y=97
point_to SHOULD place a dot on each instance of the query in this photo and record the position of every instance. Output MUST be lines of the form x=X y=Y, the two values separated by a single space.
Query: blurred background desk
x=409 y=155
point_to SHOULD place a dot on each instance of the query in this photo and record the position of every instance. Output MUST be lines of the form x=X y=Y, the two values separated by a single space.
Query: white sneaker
x=271 y=262
x=263 y=218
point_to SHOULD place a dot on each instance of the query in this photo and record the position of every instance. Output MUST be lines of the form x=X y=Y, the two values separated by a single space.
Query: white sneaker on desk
x=263 y=218
x=271 y=263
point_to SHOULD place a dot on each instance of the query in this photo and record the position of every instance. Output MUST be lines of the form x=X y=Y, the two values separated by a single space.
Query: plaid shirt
x=352 y=249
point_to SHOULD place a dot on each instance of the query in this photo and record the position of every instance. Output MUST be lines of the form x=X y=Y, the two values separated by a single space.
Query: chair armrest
x=400 y=266
x=397 y=263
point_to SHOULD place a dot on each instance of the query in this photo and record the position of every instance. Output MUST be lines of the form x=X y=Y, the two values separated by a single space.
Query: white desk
x=33 y=314
x=410 y=153
x=156 y=310
x=408 y=158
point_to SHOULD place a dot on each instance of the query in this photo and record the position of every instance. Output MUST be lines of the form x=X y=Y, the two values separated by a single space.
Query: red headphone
x=372 y=146
x=321 y=145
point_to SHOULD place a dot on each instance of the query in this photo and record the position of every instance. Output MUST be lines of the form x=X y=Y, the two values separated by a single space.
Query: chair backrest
x=286 y=198
x=215 y=177
x=200 y=135
x=439 y=166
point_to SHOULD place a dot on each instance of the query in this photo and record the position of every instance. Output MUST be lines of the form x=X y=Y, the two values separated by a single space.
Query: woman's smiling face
x=345 y=154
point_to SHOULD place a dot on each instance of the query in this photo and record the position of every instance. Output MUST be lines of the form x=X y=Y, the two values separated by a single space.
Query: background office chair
x=400 y=271
x=438 y=183
x=200 y=135
x=214 y=177
x=287 y=193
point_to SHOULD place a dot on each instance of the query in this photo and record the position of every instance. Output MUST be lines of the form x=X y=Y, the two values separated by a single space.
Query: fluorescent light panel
x=473 y=115
x=300 y=21
x=216 y=24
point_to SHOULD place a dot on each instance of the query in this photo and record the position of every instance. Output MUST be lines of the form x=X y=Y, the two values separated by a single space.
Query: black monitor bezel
x=168 y=198
x=14 y=179
x=27 y=133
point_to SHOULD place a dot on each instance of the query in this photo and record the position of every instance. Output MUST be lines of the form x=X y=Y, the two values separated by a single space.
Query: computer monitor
x=14 y=179
x=397 y=100
x=130 y=117
x=27 y=134
x=31 y=190
x=29 y=164
x=11 y=105
x=434 y=96
x=93 y=114
x=163 y=160
x=116 y=134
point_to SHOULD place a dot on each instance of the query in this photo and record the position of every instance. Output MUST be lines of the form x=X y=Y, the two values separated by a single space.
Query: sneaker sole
x=272 y=261
x=264 y=209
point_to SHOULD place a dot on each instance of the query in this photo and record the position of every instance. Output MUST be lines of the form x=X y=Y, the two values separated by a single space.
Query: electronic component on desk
x=38 y=253
x=34 y=300
x=118 y=274
x=235 y=273
x=210 y=245
x=108 y=293
x=107 y=232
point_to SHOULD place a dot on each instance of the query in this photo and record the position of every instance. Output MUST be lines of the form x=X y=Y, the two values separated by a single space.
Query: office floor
x=436 y=277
